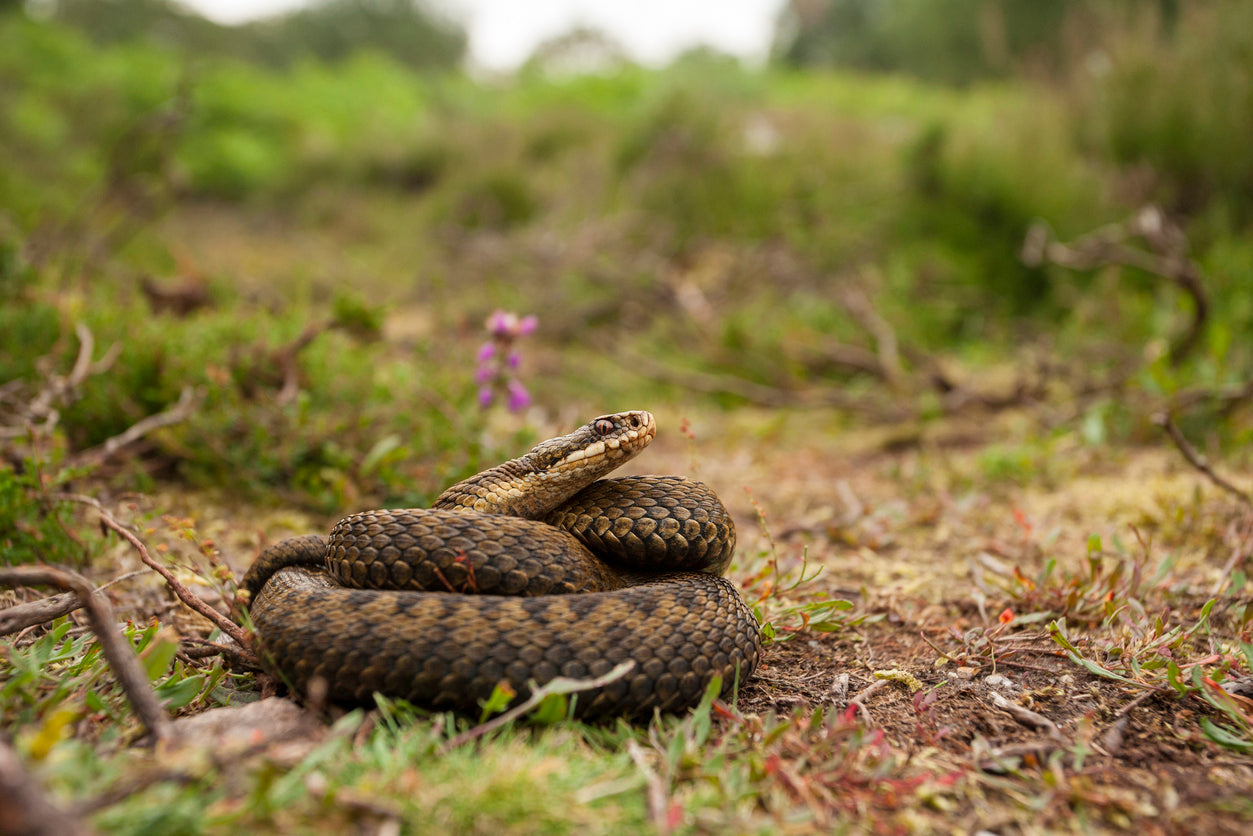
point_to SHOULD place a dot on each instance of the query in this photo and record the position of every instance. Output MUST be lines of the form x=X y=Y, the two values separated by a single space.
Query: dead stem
x=1163 y=420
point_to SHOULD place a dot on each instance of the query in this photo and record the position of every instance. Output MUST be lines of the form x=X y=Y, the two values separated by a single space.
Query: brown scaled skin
x=450 y=651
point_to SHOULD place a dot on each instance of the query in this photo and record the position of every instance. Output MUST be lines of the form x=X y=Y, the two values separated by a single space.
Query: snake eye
x=603 y=426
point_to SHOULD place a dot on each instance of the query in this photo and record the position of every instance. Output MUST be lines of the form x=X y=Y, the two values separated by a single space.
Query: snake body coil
x=645 y=552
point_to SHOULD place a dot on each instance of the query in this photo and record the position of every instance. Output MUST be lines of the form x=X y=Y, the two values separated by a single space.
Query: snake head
x=597 y=447
x=554 y=470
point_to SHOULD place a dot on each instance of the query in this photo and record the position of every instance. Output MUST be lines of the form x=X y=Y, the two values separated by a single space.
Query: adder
x=608 y=571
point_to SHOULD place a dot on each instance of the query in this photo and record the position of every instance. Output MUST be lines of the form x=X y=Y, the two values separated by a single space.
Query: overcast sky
x=504 y=32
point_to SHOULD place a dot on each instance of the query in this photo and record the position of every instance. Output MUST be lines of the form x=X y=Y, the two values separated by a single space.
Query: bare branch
x=1163 y=420
x=82 y=364
x=858 y=304
x=188 y=400
x=17 y=618
x=42 y=410
x=184 y=594
x=120 y=656
x=1168 y=259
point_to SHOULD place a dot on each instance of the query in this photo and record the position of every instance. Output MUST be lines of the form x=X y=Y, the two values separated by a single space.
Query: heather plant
x=499 y=361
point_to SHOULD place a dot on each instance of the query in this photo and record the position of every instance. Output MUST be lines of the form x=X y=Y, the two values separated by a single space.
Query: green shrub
x=497 y=200
x=33 y=529
x=1181 y=102
x=28 y=328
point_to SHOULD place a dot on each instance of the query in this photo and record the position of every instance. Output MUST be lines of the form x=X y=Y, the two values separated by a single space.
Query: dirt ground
x=935 y=542
x=922 y=540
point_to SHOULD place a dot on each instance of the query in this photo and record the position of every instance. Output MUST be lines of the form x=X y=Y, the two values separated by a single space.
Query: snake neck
x=554 y=470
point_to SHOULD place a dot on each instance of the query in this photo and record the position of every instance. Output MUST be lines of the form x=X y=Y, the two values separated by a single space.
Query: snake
x=532 y=570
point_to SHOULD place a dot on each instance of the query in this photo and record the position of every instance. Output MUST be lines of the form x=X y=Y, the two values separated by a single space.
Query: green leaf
x=176 y=693
x=833 y=604
x=1174 y=676
x=1057 y=630
x=157 y=657
x=1225 y=737
x=501 y=696
x=379 y=453
x=552 y=709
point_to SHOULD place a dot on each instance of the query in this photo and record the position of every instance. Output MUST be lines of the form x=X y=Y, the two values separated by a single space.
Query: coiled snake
x=540 y=526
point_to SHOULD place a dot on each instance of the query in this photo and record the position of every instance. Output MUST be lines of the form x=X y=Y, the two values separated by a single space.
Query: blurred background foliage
x=698 y=234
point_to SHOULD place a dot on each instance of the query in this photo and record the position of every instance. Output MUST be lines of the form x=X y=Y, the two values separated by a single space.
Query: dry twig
x=1197 y=460
x=42 y=412
x=17 y=618
x=1026 y=716
x=560 y=685
x=859 y=306
x=184 y=594
x=860 y=699
x=1239 y=553
x=188 y=400
x=1168 y=258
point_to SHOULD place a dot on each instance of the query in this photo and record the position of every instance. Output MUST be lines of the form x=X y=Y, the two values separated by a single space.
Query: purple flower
x=518 y=398
x=498 y=359
x=502 y=324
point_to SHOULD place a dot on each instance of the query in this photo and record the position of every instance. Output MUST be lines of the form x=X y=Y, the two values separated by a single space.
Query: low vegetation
x=965 y=364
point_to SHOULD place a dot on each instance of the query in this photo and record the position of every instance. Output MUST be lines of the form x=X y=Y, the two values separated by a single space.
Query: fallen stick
x=17 y=618
x=179 y=412
x=1026 y=716
x=860 y=699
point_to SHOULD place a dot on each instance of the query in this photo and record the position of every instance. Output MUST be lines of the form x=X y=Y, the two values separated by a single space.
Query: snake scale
x=575 y=574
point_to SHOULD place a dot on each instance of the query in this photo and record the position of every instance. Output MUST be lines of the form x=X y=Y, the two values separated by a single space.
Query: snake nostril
x=635 y=420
